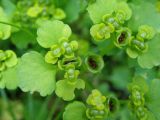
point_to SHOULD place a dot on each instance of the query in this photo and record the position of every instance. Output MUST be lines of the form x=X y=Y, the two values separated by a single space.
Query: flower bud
x=101 y=31
x=76 y=61
x=59 y=14
x=124 y=35
x=96 y=99
x=145 y=32
x=94 y=63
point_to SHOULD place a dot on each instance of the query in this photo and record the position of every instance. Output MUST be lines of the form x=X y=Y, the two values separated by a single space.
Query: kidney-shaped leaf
x=50 y=32
x=99 y=8
x=35 y=74
x=152 y=57
x=75 y=110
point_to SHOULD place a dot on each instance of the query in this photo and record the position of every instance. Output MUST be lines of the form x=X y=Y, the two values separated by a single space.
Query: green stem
x=23 y=29
x=4 y=96
x=59 y=115
x=53 y=109
x=30 y=107
x=43 y=108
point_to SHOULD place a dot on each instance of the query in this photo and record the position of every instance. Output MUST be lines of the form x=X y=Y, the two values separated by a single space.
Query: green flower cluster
x=138 y=88
x=97 y=105
x=137 y=102
x=63 y=53
x=113 y=23
x=100 y=106
x=113 y=26
x=36 y=11
x=139 y=43
x=7 y=59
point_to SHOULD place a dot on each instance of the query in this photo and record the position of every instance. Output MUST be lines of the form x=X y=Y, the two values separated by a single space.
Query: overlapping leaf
x=50 y=32
x=75 y=110
x=35 y=75
x=9 y=78
x=152 y=57
x=144 y=12
x=99 y=8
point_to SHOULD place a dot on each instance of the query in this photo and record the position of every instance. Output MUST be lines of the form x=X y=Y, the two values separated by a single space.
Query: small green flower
x=123 y=12
x=69 y=48
x=112 y=104
x=59 y=14
x=34 y=11
x=139 y=45
x=49 y=58
x=57 y=51
x=53 y=55
x=137 y=96
x=7 y=59
x=124 y=36
x=136 y=47
x=62 y=64
x=94 y=114
x=110 y=19
x=11 y=59
x=101 y=31
x=145 y=32
x=94 y=63
x=74 y=45
x=71 y=74
x=121 y=16
x=142 y=113
x=97 y=100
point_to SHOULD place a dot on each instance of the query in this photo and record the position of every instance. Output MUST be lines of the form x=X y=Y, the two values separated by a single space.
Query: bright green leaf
x=50 y=32
x=100 y=8
x=75 y=110
x=120 y=77
x=140 y=82
x=144 y=13
x=35 y=75
x=9 y=78
x=153 y=99
x=72 y=9
x=152 y=57
x=66 y=90
x=21 y=39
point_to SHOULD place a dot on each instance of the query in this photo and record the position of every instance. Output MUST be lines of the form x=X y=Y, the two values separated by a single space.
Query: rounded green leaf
x=50 y=32
x=124 y=8
x=153 y=97
x=35 y=75
x=65 y=90
x=9 y=78
x=144 y=13
x=100 y=8
x=151 y=58
x=140 y=82
x=75 y=110
x=22 y=40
